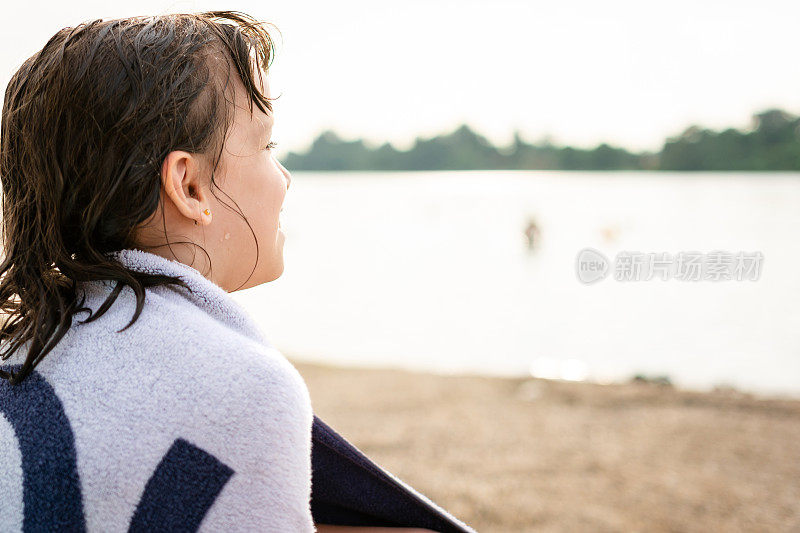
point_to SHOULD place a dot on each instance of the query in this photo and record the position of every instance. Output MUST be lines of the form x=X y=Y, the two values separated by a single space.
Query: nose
x=285 y=173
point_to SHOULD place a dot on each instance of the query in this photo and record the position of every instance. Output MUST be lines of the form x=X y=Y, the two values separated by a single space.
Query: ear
x=183 y=185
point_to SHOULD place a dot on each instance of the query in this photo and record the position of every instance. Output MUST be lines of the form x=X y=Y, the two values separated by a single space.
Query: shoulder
x=181 y=387
x=177 y=343
x=178 y=364
x=178 y=353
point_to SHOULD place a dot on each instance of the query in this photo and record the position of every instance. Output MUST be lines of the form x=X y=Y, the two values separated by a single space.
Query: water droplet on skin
x=227 y=236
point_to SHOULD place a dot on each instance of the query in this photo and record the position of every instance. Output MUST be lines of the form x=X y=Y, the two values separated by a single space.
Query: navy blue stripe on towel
x=51 y=490
x=181 y=490
x=349 y=489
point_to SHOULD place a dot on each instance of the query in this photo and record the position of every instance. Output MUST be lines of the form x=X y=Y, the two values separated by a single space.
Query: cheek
x=260 y=193
x=271 y=195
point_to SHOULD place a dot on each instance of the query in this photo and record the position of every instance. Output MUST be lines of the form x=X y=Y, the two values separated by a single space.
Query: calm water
x=431 y=271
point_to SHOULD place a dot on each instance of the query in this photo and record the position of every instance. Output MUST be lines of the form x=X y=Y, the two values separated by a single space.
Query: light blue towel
x=187 y=419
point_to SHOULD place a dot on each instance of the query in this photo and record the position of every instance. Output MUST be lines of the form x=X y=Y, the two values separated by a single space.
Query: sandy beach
x=516 y=455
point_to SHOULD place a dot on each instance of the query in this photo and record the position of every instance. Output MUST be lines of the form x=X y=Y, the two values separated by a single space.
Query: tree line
x=771 y=143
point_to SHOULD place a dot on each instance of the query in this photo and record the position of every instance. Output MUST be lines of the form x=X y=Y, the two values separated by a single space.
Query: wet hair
x=87 y=122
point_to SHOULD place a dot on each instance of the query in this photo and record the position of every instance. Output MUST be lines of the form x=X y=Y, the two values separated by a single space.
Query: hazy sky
x=629 y=72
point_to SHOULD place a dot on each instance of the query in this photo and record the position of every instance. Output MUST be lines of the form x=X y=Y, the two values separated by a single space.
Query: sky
x=579 y=72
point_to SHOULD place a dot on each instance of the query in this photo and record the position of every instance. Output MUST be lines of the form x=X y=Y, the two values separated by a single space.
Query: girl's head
x=249 y=177
x=145 y=132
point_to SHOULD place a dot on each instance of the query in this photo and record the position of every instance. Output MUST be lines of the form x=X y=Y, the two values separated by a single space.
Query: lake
x=432 y=271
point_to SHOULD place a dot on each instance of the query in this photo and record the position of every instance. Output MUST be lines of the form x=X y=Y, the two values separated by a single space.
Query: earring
x=205 y=211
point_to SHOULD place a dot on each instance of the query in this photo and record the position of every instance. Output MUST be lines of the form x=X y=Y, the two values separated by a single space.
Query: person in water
x=532 y=234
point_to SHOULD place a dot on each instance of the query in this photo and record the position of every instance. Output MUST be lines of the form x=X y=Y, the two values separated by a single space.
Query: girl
x=137 y=394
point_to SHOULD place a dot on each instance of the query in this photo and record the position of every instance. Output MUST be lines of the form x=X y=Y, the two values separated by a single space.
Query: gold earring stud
x=207 y=212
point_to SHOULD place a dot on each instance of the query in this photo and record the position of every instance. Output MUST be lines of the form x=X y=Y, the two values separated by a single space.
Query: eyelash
x=271 y=145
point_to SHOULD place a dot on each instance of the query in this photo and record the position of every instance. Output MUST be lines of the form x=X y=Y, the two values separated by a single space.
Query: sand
x=515 y=455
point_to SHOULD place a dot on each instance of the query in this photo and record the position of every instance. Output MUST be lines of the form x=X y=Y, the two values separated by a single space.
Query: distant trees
x=460 y=150
x=772 y=143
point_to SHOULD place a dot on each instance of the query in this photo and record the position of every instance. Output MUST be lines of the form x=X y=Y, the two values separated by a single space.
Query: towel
x=350 y=489
x=189 y=420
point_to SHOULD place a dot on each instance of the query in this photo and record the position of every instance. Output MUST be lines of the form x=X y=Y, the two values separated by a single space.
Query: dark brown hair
x=87 y=122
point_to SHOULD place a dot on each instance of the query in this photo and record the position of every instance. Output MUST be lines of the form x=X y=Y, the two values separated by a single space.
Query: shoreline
x=522 y=454
x=663 y=380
